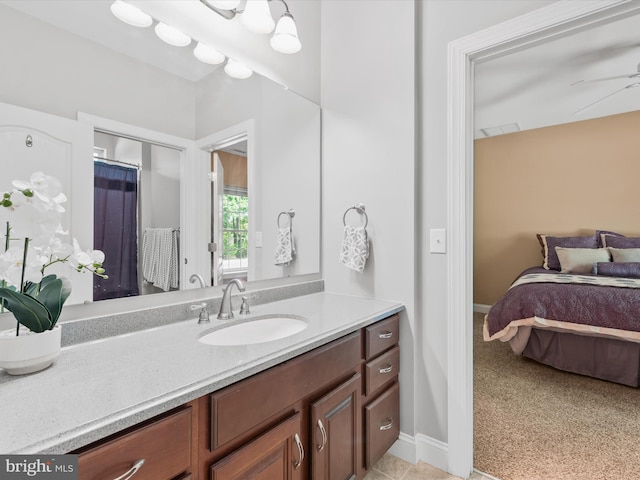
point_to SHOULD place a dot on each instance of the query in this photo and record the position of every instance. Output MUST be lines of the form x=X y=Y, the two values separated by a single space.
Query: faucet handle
x=244 y=307
x=203 y=317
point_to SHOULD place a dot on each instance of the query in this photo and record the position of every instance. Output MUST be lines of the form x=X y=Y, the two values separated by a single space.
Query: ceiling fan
x=635 y=76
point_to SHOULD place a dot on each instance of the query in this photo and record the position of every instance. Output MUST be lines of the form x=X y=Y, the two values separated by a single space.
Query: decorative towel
x=285 y=246
x=355 y=248
x=160 y=251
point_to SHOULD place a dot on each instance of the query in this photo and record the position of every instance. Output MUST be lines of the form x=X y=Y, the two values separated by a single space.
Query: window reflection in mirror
x=136 y=216
x=230 y=212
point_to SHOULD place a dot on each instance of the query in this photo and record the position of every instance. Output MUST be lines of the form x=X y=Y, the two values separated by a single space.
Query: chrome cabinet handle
x=132 y=471
x=388 y=425
x=387 y=369
x=324 y=436
x=386 y=334
x=297 y=463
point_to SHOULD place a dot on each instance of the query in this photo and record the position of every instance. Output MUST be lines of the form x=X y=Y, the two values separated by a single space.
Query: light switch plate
x=438 y=240
x=258 y=241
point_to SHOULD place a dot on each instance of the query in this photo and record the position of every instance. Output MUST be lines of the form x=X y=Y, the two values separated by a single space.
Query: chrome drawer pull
x=387 y=369
x=297 y=463
x=132 y=471
x=324 y=436
x=386 y=334
x=388 y=425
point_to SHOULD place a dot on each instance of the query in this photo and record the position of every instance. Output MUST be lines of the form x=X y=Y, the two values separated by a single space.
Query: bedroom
x=571 y=179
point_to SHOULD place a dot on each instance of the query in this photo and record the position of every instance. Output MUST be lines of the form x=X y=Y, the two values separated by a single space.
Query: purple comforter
x=591 y=305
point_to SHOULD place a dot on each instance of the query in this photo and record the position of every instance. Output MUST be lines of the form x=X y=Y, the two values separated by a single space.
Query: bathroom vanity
x=320 y=404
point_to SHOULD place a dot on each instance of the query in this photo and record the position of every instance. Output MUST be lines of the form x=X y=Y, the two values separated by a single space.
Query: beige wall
x=235 y=168
x=564 y=180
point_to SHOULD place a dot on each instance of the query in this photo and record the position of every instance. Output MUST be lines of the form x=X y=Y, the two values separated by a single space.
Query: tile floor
x=394 y=468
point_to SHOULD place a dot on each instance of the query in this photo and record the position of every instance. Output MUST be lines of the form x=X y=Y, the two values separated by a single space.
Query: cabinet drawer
x=276 y=454
x=382 y=418
x=164 y=445
x=245 y=405
x=381 y=336
x=381 y=370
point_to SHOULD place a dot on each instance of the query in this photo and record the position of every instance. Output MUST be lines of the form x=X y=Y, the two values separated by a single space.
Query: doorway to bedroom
x=532 y=174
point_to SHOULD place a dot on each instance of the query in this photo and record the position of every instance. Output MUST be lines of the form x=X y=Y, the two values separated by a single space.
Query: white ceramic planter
x=29 y=352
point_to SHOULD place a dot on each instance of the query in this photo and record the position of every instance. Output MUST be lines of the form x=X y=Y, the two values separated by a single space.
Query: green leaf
x=53 y=293
x=27 y=310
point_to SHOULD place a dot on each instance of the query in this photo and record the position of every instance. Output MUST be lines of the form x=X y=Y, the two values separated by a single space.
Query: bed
x=582 y=319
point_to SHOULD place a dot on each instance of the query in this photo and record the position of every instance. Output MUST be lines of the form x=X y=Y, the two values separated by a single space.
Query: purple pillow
x=615 y=241
x=617 y=269
x=600 y=236
x=549 y=244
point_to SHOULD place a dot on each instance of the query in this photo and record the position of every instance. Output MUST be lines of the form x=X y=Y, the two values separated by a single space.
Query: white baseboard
x=480 y=308
x=421 y=448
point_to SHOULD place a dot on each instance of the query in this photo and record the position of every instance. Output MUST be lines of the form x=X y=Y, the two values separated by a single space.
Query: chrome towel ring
x=290 y=214
x=360 y=208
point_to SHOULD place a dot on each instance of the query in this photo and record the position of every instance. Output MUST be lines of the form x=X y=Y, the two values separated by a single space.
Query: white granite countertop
x=97 y=388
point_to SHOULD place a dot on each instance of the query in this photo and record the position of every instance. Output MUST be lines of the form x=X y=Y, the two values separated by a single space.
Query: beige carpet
x=533 y=422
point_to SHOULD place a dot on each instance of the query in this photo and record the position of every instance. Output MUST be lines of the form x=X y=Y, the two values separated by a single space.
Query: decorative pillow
x=549 y=244
x=617 y=241
x=600 y=236
x=580 y=260
x=625 y=254
x=615 y=269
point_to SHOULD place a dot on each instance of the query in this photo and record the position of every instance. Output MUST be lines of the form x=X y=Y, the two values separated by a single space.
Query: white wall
x=369 y=156
x=49 y=70
x=368 y=98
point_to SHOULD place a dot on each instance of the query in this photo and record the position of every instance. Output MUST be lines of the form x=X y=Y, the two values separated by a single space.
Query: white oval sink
x=265 y=328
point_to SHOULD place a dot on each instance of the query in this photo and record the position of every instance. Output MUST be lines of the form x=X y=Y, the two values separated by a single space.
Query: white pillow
x=625 y=254
x=581 y=260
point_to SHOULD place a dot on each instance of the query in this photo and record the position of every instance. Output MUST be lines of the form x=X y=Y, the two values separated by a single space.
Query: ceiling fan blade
x=628 y=75
x=601 y=99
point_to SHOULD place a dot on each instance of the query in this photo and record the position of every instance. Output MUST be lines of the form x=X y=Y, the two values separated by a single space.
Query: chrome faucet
x=225 y=306
x=198 y=277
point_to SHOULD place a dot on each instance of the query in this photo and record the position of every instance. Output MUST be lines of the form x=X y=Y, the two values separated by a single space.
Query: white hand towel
x=285 y=247
x=355 y=248
x=160 y=250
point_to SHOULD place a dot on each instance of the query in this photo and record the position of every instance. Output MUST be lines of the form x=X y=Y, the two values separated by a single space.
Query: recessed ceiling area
x=533 y=87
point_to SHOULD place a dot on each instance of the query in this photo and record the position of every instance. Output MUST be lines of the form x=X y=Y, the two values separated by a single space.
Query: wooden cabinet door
x=275 y=455
x=335 y=433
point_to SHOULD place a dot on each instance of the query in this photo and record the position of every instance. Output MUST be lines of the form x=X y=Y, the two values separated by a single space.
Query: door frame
x=555 y=20
x=206 y=145
x=189 y=258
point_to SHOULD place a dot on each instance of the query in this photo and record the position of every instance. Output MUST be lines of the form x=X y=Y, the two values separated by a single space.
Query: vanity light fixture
x=172 y=35
x=130 y=14
x=236 y=69
x=285 y=38
x=207 y=54
x=256 y=17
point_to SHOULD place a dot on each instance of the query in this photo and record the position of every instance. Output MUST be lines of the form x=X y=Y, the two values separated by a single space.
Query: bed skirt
x=604 y=358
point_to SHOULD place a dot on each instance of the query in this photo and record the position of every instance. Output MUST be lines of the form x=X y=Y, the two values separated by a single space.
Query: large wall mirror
x=52 y=66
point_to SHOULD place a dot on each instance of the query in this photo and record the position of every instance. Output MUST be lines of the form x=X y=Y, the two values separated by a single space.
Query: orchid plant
x=32 y=212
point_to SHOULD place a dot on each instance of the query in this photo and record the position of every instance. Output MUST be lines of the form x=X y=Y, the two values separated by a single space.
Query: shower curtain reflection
x=115 y=229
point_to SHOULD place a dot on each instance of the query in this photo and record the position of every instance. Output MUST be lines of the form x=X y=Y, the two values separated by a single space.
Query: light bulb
x=224 y=4
x=257 y=17
x=285 y=38
x=207 y=54
x=130 y=14
x=172 y=35
x=235 y=69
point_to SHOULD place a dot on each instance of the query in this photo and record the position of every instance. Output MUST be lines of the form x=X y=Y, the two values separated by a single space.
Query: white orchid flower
x=11 y=263
x=88 y=258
